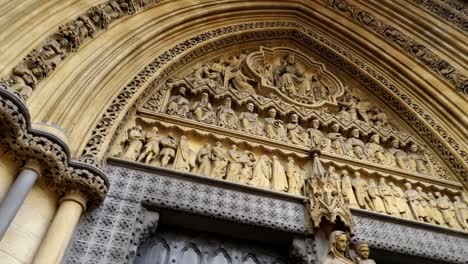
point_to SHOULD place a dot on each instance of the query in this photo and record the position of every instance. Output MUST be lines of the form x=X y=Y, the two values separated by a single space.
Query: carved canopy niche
x=251 y=115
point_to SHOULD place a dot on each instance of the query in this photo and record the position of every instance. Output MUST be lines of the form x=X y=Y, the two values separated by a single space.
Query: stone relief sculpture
x=134 y=143
x=416 y=162
x=347 y=190
x=414 y=202
x=376 y=196
x=317 y=138
x=355 y=147
x=262 y=173
x=248 y=160
x=178 y=105
x=295 y=177
x=337 y=140
x=203 y=111
x=204 y=160
x=183 y=160
x=151 y=148
x=424 y=201
x=250 y=122
x=461 y=212
x=396 y=156
x=375 y=151
x=296 y=133
x=436 y=213
x=288 y=78
x=445 y=207
x=361 y=190
x=339 y=249
x=234 y=166
x=401 y=202
x=227 y=117
x=388 y=198
x=220 y=161
x=362 y=252
x=168 y=149
x=274 y=128
x=279 y=181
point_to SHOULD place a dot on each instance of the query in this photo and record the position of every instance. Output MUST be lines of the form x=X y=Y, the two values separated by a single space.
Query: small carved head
x=457 y=198
x=375 y=139
x=204 y=96
x=335 y=127
x=291 y=159
x=382 y=179
x=408 y=185
x=357 y=174
x=293 y=118
x=355 y=133
x=371 y=182
x=315 y=123
x=339 y=241
x=362 y=249
x=182 y=90
x=227 y=102
x=218 y=144
x=272 y=112
x=414 y=147
x=250 y=107
x=290 y=59
x=419 y=188
x=344 y=172
x=395 y=143
x=234 y=147
x=437 y=194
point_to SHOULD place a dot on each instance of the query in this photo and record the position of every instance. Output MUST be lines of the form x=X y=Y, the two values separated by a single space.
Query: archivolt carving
x=69 y=37
x=93 y=154
x=60 y=172
x=440 y=66
x=449 y=10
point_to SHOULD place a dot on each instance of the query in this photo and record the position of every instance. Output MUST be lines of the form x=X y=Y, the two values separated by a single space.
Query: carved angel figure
x=296 y=133
x=226 y=116
x=203 y=111
x=250 y=122
x=178 y=105
x=288 y=78
x=274 y=128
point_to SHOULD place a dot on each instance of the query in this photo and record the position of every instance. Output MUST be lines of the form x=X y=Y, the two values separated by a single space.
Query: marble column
x=54 y=244
x=17 y=193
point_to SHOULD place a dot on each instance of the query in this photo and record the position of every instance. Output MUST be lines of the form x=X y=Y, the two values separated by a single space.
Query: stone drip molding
x=44 y=59
x=368 y=76
x=448 y=10
x=60 y=172
x=411 y=47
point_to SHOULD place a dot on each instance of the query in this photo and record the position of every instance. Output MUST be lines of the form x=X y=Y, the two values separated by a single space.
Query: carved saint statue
x=184 y=156
x=396 y=156
x=375 y=151
x=288 y=77
x=376 y=196
x=362 y=252
x=401 y=202
x=424 y=201
x=178 y=105
x=134 y=143
x=295 y=178
x=416 y=161
x=296 y=133
x=356 y=108
x=226 y=116
x=436 y=213
x=151 y=148
x=461 y=212
x=234 y=167
x=414 y=202
x=168 y=149
x=250 y=122
x=316 y=137
x=445 y=207
x=360 y=188
x=262 y=173
x=219 y=161
x=274 y=128
x=337 y=140
x=266 y=73
x=203 y=111
x=389 y=200
x=347 y=189
x=204 y=160
x=318 y=89
x=239 y=81
x=248 y=161
x=279 y=181
x=338 y=253
x=335 y=177
x=356 y=148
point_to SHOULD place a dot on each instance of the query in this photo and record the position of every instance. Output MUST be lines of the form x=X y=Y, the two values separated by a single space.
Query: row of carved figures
x=271 y=173
x=248 y=121
x=410 y=203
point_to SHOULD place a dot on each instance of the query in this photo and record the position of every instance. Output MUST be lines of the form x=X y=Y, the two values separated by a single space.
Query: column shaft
x=15 y=197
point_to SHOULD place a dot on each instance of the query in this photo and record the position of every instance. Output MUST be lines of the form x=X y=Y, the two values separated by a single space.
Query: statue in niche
x=416 y=161
x=356 y=108
x=248 y=161
x=279 y=181
x=262 y=173
x=414 y=202
x=295 y=177
x=204 y=160
x=362 y=252
x=400 y=201
x=316 y=137
x=296 y=133
x=183 y=160
x=424 y=201
x=445 y=207
x=396 y=156
x=227 y=117
x=203 y=111
x=376 y=196
x=219 y=161
x=347 y=189
x=389 y=200
x=250 y=122
x=234 y=167
x=461 y=212
x=134 y=143
x=437 y=215
x=319 y=91
x=356 y=148
x=151 y=148
x=375 y=151
x=360 y=188
x=168 y=149
x=274 y=128
x=338 y=253
x=337 y=140
x=178 y=105
x=264 y=70
x=288 y=78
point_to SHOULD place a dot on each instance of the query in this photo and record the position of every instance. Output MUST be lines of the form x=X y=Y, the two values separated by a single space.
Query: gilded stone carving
x=362 y=252
x=339 y=249
x=262 y=173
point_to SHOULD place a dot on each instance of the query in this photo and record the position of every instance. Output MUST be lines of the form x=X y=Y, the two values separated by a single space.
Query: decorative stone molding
x=449 y=10
x=59 y=172
x=421 y=122
x=414 y=49
x=43 y=60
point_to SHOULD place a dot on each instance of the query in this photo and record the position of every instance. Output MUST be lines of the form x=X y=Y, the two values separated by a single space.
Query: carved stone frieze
x=60 y=172
x=42 y=60
x=414 y=49
x=454 y=13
